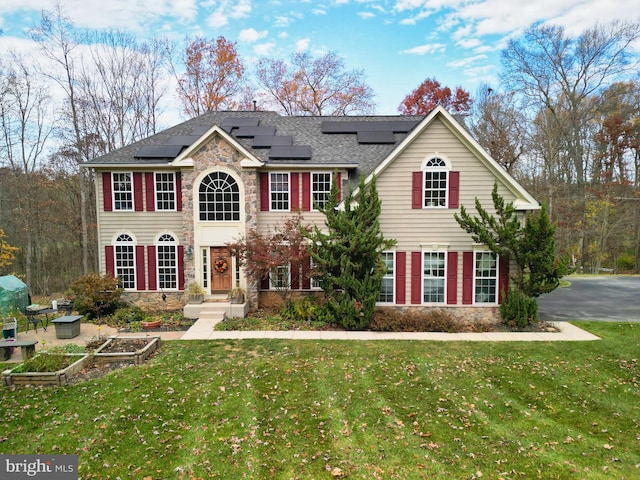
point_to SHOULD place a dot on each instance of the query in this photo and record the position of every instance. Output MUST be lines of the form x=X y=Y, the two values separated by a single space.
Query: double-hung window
x=280 y=277
x=320 y=189
x=124 y=261
x=486 y=277
x=279 y=191
x=435 y=183
x=433 y=277
x=122 y=191
x=387 y=290
x=165 y=191
x=167 y=262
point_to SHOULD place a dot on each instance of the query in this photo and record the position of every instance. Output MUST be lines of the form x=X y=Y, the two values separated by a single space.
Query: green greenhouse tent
x=13 y=295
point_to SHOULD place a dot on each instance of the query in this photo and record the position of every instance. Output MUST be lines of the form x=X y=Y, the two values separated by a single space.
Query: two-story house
x=168 y=204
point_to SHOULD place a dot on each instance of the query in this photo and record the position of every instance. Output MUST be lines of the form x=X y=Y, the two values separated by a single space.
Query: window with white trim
x=279 y=191
x=219 y=198
x=320 y=189
x=280 y=277
x=122 y=191
x=433 y=277
x=436 y=172
x=167 y=262
x=165 y=191
x=485 y=278
x=387 y=289
x=205 y=268
x=125 y=261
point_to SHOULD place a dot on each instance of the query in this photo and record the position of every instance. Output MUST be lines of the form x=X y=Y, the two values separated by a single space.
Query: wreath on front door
x=221 y=265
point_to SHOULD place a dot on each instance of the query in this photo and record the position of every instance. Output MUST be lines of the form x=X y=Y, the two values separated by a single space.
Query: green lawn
x=319 y=409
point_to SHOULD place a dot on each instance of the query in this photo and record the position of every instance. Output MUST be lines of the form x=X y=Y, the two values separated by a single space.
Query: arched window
x=435 y=182
x=219 y=198
x=124 y=261
x=167 y=262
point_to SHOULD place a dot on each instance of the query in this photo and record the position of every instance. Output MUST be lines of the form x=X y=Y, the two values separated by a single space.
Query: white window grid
x=320 y=189
x=219 y=198
x=486 y=277
x=167 y=262
x=435 y=183
x=165 y=191
x=280 y=277
x=387 y=291
x=433 y=277
x=125 y=261
x=122 y=191
x=279 y=191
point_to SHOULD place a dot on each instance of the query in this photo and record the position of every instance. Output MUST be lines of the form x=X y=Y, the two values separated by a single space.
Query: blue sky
x=398 y=43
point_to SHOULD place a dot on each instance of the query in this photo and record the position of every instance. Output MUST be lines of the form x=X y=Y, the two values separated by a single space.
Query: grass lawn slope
x=322 y=409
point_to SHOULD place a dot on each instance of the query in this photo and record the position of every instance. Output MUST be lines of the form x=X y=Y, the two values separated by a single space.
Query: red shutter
x=306 y=192
x=416 y=277
x=151 y=267
x=264 y=191
x=180 y=267
x=503 y=279
x=452 y=278
x=401 y=278
x=295 y=276
x=179 y=191
x=467 y=278
x=295 y=192
x=454 y=189
x=264 y=283
x=109 y=260
x=339 y=183
x=417 y=194
x=140 y=285
x=150 y=190
x=306 y=274
x=137 y=192
x=106 y=192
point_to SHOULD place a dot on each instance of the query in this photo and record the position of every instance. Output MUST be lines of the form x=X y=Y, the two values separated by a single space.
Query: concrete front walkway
x=203 y=330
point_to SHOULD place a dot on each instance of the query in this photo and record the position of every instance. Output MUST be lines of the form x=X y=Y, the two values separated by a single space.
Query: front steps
x=225 y=308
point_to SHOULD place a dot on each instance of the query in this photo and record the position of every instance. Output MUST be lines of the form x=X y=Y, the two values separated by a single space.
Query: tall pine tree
x=347 y=258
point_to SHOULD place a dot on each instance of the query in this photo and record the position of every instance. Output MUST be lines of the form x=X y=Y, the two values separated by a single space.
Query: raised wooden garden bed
x=61 y=377
x=131 y=350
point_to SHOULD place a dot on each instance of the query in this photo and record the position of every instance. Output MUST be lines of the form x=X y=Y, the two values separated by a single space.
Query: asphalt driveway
x=607 y=298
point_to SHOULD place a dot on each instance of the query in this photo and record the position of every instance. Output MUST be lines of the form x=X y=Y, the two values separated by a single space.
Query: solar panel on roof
x=290 y=152
x=199 y=131
x=339 y=127
x=235 y=122
x=184 y=140
x=265 y=141
x=159 y=151
x=244 y=132
x=376 y=137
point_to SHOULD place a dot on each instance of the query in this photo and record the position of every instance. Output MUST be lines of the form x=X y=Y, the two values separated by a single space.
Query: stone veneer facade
x=217 y=153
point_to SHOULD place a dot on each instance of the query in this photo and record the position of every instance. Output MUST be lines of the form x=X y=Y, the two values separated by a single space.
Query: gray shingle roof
x=361 y=141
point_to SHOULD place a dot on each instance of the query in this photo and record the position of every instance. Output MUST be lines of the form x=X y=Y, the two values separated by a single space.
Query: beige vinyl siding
x=144 y=226
x=423 y=229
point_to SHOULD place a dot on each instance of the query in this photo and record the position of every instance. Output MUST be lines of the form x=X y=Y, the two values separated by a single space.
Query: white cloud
x=318 y=11
x=302 y=44
x=366 y=15
x=226 y=9
x=264 y=49
x=251 y=35
x=426 y=49
x=281 y=22
x=466 y=62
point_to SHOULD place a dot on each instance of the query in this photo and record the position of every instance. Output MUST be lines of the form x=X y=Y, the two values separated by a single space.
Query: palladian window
x=219 y=198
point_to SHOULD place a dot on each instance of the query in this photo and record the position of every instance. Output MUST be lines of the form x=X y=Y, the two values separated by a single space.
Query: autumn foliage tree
x=315 y=86
x=7 y=253
x=430 y=94
x=281 y=254
x=213 y=76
